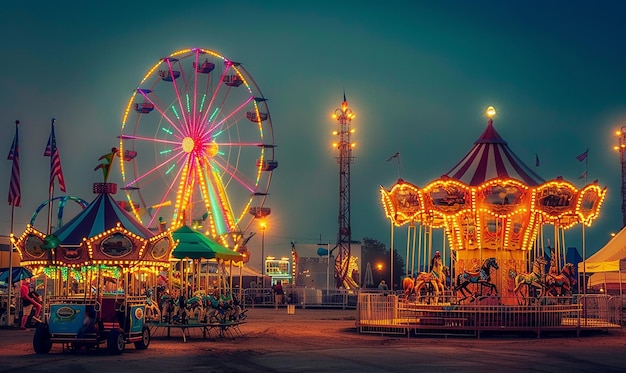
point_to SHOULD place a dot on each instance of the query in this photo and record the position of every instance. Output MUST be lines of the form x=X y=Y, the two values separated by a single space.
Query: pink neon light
x=180 y=103
x=163 y=115
x=236 y=177
x=243 y=104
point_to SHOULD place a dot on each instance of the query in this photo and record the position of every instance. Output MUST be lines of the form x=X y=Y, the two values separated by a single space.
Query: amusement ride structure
x=343 y=262
x=197 y=146
x=492 y=205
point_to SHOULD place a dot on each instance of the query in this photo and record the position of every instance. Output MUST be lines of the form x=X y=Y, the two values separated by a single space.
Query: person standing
x=279 y=293
x=28 y=303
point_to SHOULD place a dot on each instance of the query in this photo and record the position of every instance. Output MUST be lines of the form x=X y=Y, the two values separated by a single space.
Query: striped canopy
x=491 y=158
x=101 y=215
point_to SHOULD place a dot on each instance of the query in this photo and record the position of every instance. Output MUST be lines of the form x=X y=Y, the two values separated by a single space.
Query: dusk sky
x=418 y=74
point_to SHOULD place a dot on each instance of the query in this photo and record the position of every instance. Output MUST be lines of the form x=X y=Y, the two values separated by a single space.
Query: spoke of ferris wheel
x=180 y=155
x=251 y=144
x=195 y=96
x=217 y=89
x=201 y=114
x=232 y=172
x=174 y=82
x=240 y=107
x=163 y=203
x=161 y=111
x=150 y=139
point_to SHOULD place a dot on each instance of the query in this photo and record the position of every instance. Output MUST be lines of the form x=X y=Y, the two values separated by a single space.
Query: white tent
x=608 y=263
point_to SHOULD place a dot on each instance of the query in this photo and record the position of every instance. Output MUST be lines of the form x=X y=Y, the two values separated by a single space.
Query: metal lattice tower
x=621 y=135
x=343 y=275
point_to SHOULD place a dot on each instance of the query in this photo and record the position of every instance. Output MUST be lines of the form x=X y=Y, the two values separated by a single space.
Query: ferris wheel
x=197 y=145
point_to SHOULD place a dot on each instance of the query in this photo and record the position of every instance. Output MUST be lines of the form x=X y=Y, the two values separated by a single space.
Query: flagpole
x=397 y=157
x=51 y=186
x=9 y=320
x=15 y=153
x=586 y=160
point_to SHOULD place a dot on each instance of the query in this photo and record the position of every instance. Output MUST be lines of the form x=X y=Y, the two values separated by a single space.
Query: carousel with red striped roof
x=491 y=205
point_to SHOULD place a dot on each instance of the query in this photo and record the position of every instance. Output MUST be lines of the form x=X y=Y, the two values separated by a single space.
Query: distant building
x=314 y=271
x=5 y=245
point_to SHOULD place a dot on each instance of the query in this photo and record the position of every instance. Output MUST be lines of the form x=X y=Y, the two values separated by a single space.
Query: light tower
x=344 y=116
x=621 y=147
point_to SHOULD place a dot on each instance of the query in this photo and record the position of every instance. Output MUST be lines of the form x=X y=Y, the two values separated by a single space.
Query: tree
x=375 y=252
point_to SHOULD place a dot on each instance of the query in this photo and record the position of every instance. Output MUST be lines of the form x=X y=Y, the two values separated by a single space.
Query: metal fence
x=302 y=298
x=391 y=314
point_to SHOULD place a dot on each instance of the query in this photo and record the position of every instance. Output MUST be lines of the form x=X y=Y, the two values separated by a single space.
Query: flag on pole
x=583 y=175
x=393 y=156
x=55 y=161
x=582 y=156
x=536 y=160
x=15 y=190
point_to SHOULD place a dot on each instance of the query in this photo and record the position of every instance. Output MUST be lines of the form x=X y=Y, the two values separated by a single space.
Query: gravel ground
x=318 y=340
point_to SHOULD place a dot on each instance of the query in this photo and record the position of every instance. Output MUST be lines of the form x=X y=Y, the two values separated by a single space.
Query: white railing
x=392 y=314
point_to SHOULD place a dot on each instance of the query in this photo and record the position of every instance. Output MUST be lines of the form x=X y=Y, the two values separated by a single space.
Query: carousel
x=497 y=215
x=97 y=269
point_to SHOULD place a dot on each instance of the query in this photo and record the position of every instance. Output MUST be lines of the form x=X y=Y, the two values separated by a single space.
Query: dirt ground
x=319 y=340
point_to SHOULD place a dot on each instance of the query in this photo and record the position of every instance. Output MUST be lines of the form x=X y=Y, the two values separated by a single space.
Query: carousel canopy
x=101 y=215
x=195 y=245
x=490 y=158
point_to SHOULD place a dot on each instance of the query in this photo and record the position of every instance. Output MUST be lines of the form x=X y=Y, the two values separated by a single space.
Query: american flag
x=55 y=161
x=15 y=190
x=582 y=156
x=393 y=156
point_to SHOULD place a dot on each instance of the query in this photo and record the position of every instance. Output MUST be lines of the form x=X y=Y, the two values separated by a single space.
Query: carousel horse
x=408 y=285
x=152 y=313
x=180 y=310
x=167 y=306
x=481 y=277
x=195 y=306
x=427 y=278
x=533 y=280
x=561 y=283
x=436 y=278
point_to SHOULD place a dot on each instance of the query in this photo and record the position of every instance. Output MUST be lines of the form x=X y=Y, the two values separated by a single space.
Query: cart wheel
x=115 y=341
x=145 y=339
x=41 y=339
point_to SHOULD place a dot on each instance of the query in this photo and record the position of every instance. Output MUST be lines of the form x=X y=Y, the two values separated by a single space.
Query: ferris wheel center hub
x=188 y=144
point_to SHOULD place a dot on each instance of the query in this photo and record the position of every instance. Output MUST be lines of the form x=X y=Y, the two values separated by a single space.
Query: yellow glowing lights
x=491 y=111
x=212 y=149
x=188 y=144
x=474 y=217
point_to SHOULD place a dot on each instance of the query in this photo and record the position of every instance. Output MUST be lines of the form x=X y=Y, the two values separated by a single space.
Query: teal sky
x=418 y=74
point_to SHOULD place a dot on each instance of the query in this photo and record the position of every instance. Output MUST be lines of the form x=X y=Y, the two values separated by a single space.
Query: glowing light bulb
x=491 y=111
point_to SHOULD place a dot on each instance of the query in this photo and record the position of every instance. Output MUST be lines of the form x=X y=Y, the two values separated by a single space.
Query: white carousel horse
x=436 y=278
